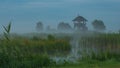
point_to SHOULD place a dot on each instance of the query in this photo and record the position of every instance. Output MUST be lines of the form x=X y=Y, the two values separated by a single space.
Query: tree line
x=98 y=25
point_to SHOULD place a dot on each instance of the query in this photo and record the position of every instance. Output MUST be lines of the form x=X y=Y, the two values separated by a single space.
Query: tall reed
x=7 y=30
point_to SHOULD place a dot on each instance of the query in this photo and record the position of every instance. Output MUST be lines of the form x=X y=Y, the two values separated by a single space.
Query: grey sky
x=24 y=14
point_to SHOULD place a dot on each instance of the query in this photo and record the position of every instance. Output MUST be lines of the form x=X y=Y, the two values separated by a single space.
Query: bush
x=51 y=37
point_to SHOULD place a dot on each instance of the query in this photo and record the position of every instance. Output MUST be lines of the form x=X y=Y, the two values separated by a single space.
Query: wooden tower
x=80 y=23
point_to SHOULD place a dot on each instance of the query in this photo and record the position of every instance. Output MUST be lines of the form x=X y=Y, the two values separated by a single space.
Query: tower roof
x=79 y=18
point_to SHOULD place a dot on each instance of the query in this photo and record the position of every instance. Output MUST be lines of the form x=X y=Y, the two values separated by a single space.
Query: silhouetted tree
x=39 y=26
x=98 y=25
x=64 y=26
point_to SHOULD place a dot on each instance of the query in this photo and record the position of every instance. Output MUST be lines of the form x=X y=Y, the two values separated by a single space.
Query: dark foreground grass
x=93 y=64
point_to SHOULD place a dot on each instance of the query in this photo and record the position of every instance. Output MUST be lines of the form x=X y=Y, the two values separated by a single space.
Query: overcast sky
x=24 y=14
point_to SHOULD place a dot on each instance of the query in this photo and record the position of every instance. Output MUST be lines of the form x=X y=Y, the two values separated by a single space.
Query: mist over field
x=59 y=33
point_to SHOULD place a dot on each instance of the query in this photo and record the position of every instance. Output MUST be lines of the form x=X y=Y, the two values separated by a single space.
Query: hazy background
x=24 y=14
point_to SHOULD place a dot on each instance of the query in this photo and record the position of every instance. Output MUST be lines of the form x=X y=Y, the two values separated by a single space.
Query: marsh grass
x=35 y=52
x=31 y=53
x=101 y=46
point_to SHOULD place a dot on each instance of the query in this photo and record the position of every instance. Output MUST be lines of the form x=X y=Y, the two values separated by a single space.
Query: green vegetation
x=102 y=46
x=7 y=31
x=92 y=50
x=31 y=52
x=93 y=64
x=35 y=52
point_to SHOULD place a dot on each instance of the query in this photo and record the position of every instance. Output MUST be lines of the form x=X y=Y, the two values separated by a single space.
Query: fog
x=25 y=14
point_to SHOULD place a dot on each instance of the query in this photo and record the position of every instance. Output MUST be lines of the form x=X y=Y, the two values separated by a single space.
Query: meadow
x=98 y=51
